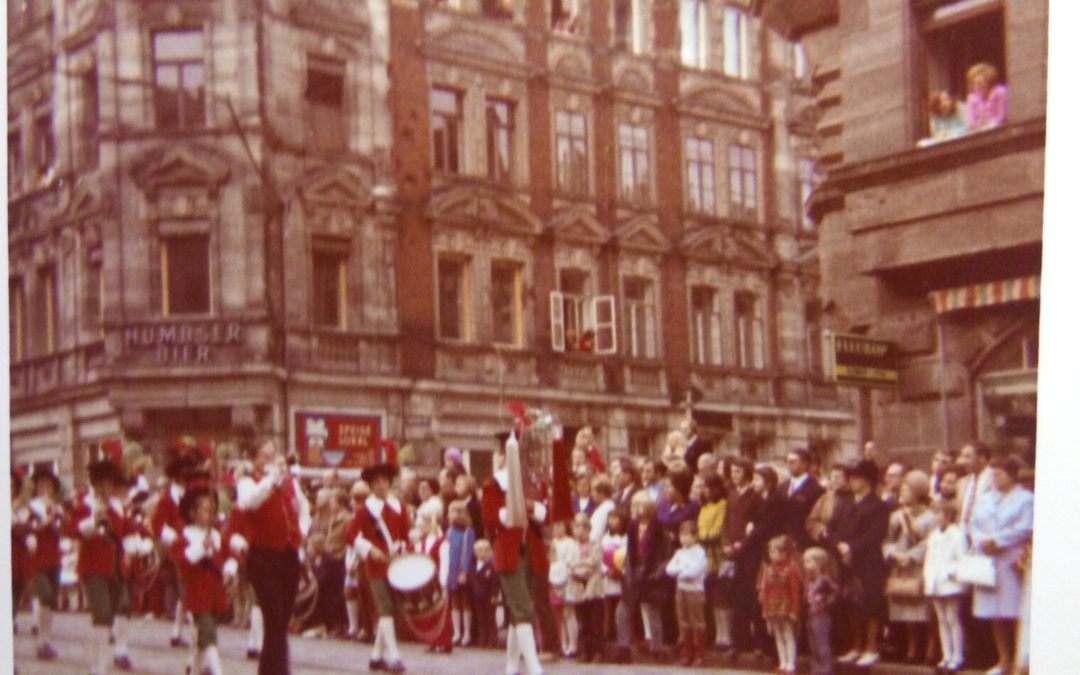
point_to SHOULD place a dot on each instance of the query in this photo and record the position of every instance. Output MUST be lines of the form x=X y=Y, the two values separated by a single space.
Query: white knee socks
x=390 y=648
x=102 y=657
x=44 y=624
x=120 y=635
x=513 y=652
x=722 y=619
x=255 y=635
x=213 y=660
x=352 y=607
x=527 y=644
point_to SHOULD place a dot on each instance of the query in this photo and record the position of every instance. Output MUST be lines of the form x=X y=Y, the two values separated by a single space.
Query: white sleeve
x=362 y=546
x=539 y=513
x=237 y=544
x=503 y=517
x=194 y=551
x=87 y=526
x=674 y=566
x=230 y=568
x=696 y=564
x=444 y=563
x=168 y=535
x=130 y=544
x=305 y=509
x=31 y=543
x=251 y=495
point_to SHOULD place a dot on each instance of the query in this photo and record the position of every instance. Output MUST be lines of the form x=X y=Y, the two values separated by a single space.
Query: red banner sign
x=325 y=439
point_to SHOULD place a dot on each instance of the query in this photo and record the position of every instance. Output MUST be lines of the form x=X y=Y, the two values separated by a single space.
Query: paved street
x=151 y=655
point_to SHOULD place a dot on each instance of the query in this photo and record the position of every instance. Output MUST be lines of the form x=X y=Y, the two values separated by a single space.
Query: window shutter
x=714 y=339
x=558 y=322
x=650 y=333
x=602 y=314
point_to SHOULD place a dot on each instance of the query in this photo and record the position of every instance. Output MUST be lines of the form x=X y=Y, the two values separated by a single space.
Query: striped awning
x=985 y=295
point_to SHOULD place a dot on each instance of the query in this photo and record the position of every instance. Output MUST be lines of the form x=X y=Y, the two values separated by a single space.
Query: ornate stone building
x=933 y=245
x=325 y=218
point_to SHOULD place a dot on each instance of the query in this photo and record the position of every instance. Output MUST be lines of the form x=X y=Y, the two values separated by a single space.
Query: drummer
x=379 y=531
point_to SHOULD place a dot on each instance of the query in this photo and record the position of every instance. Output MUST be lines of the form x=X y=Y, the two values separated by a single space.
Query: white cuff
x=363 y=546
x=503 y=517
x=237 y=544
x=146 y=546
x=230 y=568
x=31 y=543
x=194 y=552
x=539 y=512
x=168 y=536
x=87 y=526
x=131 y=544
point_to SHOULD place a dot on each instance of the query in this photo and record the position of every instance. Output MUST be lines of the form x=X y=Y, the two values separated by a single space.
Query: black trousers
x=330 y=604
x=275 y=576
x=747 y=626
x=590 y=616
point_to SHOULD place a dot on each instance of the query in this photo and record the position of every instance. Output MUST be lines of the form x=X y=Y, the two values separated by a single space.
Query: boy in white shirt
x=688 y=566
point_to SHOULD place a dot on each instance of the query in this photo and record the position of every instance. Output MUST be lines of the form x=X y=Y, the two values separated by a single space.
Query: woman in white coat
x=1000 y=526
x=945 y=545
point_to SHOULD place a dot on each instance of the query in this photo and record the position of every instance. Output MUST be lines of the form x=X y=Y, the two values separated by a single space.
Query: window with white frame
x=329 y=287
x=324 y=102
x=693 y=32
x=749 y=331
x=571 y=152
x=742 y=174
x=47 y=311
x=736 y=63
x=579 y=321
x=446 y=129
x=17 y=318
x=185 y=274
x=179 y=79
x=628 y=26
x=700 y=176
x=455 y=299
x=705 y=325
x=634 y=179
x=500 y=137
x=639 y=315
x=506 y=304
x=807 y=182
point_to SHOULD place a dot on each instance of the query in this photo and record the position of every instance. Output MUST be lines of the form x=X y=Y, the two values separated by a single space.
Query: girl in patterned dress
x=779 y=592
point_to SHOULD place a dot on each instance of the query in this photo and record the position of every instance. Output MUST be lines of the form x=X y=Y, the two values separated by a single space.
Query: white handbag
x=976 y=569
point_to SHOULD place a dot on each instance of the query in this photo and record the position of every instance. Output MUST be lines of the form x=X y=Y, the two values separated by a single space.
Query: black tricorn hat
x=387 y=471
x=46 y=474
x=104 y=470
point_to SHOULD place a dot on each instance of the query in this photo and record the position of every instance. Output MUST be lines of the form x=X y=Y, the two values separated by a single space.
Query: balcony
x=43 y=375
x=482 y=364
x=350 y=353
x=580 y=372
x=645 y=378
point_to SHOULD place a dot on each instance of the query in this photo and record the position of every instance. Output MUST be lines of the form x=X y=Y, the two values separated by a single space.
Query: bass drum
x=414 y=584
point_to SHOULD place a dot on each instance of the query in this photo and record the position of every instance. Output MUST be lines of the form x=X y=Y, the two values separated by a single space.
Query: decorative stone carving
x=578 y=224
x=180 y=165
x=470 y=206
x=642 y=234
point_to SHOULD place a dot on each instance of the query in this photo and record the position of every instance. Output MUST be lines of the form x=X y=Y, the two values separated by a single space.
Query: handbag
x=976 y=569
x=904 y=586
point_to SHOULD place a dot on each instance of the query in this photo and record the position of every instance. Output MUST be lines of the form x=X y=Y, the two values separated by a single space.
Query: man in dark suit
x=627 y=482
x=695 y=446
x=800 y=492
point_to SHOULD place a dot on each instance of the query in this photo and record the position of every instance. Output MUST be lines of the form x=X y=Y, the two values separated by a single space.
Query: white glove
x=168 y=536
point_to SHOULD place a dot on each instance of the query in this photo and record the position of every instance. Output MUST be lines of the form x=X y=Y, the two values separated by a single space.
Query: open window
x=582 y=324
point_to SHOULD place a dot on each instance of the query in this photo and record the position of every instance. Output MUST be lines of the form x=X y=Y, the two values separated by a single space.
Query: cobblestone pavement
x=150 y=653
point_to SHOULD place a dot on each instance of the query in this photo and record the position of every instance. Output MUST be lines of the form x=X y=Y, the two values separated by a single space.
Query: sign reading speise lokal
x=182 y=343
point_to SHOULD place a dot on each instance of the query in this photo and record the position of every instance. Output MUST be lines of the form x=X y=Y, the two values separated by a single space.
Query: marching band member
x=378 y=531
x=519 y=553
x=105 y=535
x=21 y=570
x=166 y=524
x=45 y=520
x=278 y=516
x=203 y=559
x=236 y=531
x=437 y=629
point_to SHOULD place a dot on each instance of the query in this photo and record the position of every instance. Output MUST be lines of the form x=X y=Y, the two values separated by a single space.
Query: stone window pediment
x=334 y=187
x=579 y=225
x=471 y=207
x=477 y=44
x=180 y=166
x=642 y=234
x=717 y=244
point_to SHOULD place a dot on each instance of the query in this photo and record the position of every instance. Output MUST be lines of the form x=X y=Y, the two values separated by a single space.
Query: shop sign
x=864 y=361
x=342 y=440
x=180 y=343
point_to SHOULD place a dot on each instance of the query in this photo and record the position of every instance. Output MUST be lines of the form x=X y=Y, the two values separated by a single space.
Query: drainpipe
x=946 y=425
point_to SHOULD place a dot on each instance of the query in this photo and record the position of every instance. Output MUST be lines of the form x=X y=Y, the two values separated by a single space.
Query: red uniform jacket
x=203 y=568
x=100 y=544
x=507 y=540
x=275 y=522
x=167 y=514
x=45 y=524
x=364 y=532
x=22 y=568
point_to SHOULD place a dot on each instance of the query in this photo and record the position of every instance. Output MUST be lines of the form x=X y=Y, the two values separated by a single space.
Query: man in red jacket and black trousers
x=519 y=554
x=380 y=530
x=278 y=516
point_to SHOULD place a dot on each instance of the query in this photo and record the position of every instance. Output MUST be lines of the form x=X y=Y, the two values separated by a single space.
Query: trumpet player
x=43 y=543
x=278 y=516
x=106 y=535
x=380 y=530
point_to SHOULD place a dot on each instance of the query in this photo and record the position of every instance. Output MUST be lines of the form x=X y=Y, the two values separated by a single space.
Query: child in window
x=987 y=103
x=948 y=117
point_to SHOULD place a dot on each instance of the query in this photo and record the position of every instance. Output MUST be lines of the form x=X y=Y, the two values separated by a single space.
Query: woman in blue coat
x=1001 y=524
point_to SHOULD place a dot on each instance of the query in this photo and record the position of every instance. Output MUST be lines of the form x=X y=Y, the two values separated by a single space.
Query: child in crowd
x=779 y=594
x=585 y=586
x=204 y=566
x=485 y=589
x=988 y=101
x=688 y=566
x=945 y=545
x=462 y=539
x=819 y=573
x=432 y=542
x=564 y=553
x=710 y=524
x=611 y=543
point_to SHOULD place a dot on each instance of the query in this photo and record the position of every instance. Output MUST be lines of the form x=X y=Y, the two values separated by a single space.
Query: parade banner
x=337 y=440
